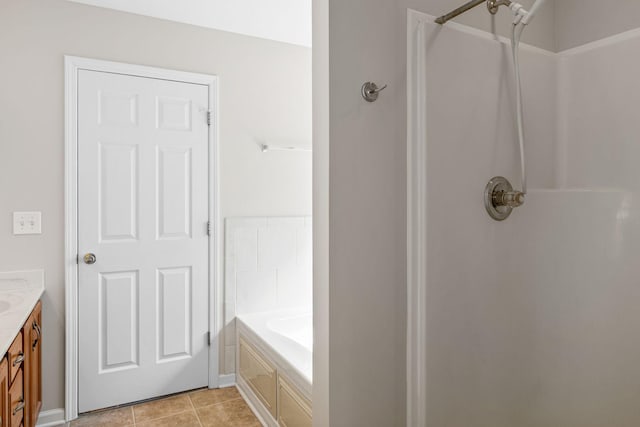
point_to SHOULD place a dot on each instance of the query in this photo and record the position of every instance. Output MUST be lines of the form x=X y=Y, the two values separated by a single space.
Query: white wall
x=583 y=21
x=265 y=94
x=321 y=208
x=360 y=205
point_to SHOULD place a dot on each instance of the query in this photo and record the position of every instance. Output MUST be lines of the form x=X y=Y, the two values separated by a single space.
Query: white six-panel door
x=142 y=211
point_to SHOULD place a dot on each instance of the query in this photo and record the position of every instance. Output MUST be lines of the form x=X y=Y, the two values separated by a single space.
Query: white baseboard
x=258 y=409
x=52 y=417
x=228 y=380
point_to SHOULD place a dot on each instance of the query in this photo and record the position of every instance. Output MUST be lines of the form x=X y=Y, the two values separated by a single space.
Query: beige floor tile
x=109 y=418
x=185 y=419
x=161 y=408
x=211 y=397
x=234 y=413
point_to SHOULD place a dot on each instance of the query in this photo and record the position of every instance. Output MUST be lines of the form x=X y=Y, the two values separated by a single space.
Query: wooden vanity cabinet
x=32 y=333
x=21 y=377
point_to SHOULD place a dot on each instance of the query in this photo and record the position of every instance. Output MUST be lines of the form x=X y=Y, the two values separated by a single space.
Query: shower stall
x=531 y=321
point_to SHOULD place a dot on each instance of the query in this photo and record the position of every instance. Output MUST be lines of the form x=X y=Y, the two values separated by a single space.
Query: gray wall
x=360 y=205
x=583 y=21
x=34 y=36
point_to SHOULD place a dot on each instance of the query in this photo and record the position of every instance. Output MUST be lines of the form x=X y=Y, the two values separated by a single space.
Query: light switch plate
x=27 y=223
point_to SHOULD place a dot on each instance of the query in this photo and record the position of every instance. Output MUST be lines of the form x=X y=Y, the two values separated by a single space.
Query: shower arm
x=492 y=5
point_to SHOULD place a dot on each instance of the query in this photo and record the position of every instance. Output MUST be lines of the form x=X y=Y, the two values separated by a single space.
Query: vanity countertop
x=19 y=294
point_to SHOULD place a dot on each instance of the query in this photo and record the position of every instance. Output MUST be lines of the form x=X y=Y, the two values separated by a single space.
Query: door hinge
x=208 y=228
x=78 y=259
x=208 y=118
x=209 y=338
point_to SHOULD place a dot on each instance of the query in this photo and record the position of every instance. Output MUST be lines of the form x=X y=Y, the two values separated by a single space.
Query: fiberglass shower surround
x=532 y=321
x=500 y=197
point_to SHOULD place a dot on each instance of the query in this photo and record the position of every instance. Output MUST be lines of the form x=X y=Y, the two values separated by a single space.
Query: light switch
x=27 y=223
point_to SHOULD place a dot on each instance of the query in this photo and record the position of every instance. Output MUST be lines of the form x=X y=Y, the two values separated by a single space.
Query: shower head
x=534 y=9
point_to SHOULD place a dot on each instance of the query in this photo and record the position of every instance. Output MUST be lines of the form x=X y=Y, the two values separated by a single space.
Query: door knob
x=89 y=258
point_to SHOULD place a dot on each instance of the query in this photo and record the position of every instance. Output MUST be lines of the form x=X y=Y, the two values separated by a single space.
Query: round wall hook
x=370 y=91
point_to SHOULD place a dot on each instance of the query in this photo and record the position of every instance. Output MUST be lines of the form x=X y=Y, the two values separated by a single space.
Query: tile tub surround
x=268 y=267
x=20 y=290
x=200 y=408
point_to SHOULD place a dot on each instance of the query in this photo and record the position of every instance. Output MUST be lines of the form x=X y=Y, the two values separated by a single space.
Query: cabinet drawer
x=16 y=401
x=16 y=356
x=293 y=409
x=259 y=374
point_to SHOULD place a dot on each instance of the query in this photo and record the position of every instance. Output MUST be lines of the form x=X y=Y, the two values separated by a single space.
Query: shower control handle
x=500 y=198
x=511 y=199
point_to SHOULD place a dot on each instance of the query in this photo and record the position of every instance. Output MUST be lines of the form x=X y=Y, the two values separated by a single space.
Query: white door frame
x=72 y=66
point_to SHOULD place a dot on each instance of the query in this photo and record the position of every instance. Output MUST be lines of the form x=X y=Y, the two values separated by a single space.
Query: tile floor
x=201 y=408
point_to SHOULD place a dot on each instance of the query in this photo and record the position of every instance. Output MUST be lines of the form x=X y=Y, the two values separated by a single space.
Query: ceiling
x=286 y=21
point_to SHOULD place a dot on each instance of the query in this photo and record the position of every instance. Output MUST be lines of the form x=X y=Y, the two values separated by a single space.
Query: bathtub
x=280 y=346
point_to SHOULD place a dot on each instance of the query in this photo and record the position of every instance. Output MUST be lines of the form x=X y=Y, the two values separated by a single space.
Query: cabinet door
x=293 y=409
x=259 y=374
x=4 y=393
x=15 y=357
x=16 y=401
x=33 y=363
